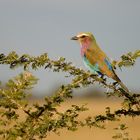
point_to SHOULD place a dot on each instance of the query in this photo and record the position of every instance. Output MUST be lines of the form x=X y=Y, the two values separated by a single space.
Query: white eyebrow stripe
x=81 y=35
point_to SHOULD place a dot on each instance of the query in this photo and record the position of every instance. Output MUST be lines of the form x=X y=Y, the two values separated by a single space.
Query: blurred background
x=39 y=26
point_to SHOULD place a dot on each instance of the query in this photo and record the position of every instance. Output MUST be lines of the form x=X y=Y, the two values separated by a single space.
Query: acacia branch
x=45 y=118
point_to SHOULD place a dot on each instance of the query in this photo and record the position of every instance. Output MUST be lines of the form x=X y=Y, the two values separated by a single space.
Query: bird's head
x=84 y=38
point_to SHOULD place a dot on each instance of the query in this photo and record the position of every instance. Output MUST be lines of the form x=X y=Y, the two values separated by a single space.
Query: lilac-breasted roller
x=95 y=59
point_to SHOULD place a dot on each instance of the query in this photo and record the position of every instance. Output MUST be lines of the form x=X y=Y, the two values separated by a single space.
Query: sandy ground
x=97 y=106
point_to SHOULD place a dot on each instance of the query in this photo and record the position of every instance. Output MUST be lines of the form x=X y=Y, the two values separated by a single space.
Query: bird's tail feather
x=120 y=83
x=123 y=86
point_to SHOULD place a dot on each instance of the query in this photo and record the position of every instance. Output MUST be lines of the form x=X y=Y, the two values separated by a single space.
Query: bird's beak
x=74 y=38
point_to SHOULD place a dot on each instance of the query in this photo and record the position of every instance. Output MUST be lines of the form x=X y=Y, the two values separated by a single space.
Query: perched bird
x=95 y=59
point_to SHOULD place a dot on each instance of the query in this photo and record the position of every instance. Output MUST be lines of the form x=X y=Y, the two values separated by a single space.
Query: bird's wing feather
x=93 y=68
x=109 y=65
x=96 y=56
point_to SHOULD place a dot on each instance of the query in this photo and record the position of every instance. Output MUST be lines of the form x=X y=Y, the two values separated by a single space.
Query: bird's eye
x=83 y=36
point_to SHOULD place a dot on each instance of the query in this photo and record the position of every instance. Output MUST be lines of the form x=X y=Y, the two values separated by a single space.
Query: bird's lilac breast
x=83 y=50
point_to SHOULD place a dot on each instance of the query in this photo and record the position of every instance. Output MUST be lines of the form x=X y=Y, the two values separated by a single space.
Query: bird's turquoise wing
x=97 y=61
x=94 y=68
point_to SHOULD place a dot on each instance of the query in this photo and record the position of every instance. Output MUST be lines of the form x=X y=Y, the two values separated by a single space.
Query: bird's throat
x=84 y=46
x=83 y=50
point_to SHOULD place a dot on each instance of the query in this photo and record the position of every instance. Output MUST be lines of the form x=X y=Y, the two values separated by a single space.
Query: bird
x=95 y=58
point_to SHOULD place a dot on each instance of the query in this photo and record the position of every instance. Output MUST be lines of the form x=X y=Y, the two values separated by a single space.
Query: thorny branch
x=45 y=118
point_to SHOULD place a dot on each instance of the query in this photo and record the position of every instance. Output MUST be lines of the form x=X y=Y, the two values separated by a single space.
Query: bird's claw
x=115 y=83
x=102 y=76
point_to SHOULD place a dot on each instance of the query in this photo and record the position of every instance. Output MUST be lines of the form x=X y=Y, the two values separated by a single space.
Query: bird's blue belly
x=93 y=68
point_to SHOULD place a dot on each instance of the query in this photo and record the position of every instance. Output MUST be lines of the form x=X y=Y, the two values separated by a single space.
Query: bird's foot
x=115 y=83
x=103 y=77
